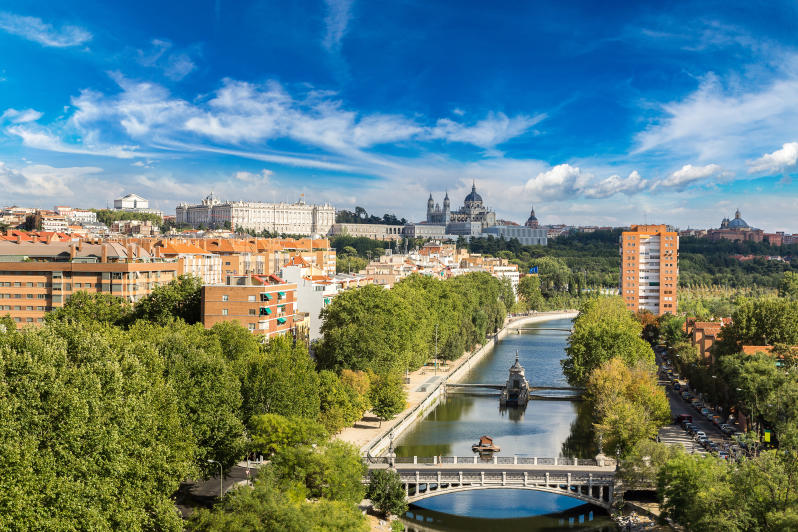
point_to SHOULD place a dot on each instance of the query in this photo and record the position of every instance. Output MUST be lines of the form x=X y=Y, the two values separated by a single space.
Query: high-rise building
x=650 y=268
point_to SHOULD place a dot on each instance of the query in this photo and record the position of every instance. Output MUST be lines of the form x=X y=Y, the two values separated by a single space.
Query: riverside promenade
x=426 y=386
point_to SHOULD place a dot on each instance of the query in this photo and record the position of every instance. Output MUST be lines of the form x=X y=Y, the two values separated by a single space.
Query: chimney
x=104 y=253
x=72 y=251
x=130 y=255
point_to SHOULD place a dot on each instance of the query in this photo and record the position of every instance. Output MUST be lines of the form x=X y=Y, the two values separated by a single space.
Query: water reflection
x=488 y=510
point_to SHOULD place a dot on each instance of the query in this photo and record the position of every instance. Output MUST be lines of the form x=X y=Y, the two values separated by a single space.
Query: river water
x=548 y=428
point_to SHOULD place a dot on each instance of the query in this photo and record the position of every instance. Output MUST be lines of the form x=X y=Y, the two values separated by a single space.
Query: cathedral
x=472 y=211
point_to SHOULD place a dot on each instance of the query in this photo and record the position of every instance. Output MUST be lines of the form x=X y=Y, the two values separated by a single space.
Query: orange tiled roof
x=181 y=248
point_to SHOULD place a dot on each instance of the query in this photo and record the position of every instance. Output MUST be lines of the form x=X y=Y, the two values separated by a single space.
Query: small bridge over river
x=531 y=328
x=496 y=389
x=584 y=479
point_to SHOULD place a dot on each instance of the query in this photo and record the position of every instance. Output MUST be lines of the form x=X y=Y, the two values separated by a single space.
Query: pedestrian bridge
x=583 y=479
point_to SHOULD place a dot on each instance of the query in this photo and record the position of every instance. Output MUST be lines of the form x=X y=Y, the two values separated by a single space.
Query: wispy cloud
x=724 y=120
x=43 y=180
x=20 y=117
x=35 y=29
x=43 y=140
x=175 y=64
x=339 y=12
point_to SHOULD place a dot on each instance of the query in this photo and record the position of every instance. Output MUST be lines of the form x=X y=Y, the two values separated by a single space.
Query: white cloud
x=36 y=181
x=689 y=174
x=494 y=129
x=20 y=117
x=718 y=121
x=616 y=184
x=561 y=182
x=36 y=30
x=339 y=12
x=778 y=161
x=43 y=140
x=261 y=177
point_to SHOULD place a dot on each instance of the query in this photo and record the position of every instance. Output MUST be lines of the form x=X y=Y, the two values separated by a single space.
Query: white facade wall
x=291 y=218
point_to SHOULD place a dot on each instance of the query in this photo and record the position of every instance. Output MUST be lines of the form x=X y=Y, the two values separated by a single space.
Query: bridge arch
x=601 y=495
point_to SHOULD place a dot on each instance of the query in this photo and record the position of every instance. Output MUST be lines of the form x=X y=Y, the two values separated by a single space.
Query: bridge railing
x=483 y=460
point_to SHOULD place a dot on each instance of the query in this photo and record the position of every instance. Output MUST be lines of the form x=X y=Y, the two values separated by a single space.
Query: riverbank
x=425 y=387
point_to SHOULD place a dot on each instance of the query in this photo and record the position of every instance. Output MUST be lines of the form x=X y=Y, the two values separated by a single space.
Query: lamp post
x=391 y=455
x=221 y=477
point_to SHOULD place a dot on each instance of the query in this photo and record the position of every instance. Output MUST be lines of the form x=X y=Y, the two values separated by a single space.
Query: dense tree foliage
x=181 y=298
x=273 y=433
x=274 y=503
x=83 y=306
x=628 y=405
x=107 y=216
x=593 y=260
x=360 y=216
x=90 y=432
x=788 y=286
x=708 y=494
x=387 y=396
x=762 y=321
x=386 y=492
x=603 y=330
x=391 y=331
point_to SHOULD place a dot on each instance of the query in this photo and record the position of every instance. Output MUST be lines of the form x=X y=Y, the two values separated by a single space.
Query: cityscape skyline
x=677 y=115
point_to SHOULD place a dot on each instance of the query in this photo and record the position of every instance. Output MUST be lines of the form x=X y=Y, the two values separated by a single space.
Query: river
x=544 y=429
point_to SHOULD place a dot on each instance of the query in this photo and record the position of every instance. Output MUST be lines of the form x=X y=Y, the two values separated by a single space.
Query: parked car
x=700 y=434
x=704 y=411
x=681 y=418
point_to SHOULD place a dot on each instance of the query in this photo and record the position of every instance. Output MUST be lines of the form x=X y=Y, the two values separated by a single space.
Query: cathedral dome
x=473 y=197
x=738 y=222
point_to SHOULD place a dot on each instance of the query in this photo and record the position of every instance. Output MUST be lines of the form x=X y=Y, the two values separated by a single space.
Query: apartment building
x=649 y=268
x=37 y=277
x=264 y=304
x=193 y=260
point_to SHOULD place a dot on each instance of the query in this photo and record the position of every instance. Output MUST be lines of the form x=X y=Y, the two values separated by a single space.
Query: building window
x=251 y=326
x=251 y=298
x=252 y=312
x=224 y=312
x=225 y=298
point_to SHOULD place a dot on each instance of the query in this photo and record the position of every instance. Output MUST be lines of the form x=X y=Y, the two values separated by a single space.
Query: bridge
x=584 y=479
x=530 y=328
x=496 y=389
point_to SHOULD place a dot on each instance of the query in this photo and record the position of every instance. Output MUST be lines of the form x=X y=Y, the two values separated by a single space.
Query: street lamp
x=221 y=477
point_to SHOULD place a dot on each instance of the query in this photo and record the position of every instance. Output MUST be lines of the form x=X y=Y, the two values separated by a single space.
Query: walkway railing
x=487 y=461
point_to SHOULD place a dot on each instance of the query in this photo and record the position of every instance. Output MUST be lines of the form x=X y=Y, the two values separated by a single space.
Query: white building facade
x=297 y=218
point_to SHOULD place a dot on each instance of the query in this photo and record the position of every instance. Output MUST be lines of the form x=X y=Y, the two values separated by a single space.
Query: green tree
x=788 y=286
x=604 y=329
x=180 y=298
x=208 y=389
x=388 y=396
x=529 y=291
x=274 y=504
x=280 y=379
x=90 y=436
x=332 y=471
x=628 y=405
x=273 y=433
x=697 y=493
x=367 y=328
x=82 y=306
x=386 y=492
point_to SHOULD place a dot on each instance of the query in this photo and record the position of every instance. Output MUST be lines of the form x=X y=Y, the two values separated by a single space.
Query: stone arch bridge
x=583 y=479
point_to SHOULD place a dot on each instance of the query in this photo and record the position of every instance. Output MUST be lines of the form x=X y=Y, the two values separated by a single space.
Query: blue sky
x=607 y=114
